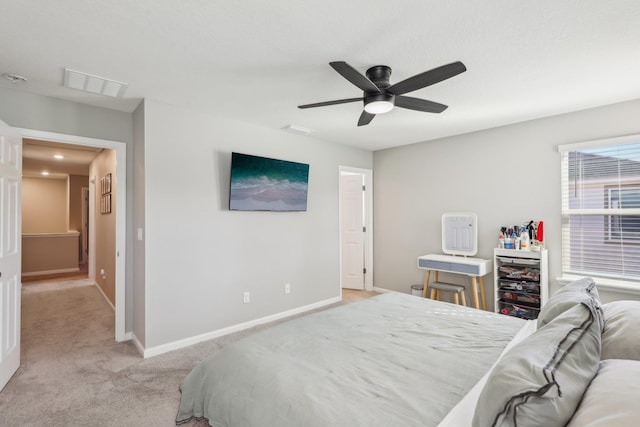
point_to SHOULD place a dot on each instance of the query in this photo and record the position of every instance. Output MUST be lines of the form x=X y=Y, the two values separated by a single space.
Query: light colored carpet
x=73 y=373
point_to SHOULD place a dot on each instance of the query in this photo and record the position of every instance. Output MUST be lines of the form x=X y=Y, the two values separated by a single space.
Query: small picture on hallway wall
x=105 y=191
x=105 y=204
x=105 y=184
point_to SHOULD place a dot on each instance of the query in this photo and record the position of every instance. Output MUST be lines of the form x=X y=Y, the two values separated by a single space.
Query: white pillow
x=612 y=397
x=621 y=336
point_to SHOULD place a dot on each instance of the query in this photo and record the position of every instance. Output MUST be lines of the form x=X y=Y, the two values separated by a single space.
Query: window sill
x=623 y=286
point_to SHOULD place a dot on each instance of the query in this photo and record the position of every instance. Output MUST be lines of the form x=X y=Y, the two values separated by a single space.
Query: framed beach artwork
x=265 y=184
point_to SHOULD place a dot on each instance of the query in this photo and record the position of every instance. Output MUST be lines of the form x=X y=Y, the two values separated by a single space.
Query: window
x=601 y=209
x=623 y=227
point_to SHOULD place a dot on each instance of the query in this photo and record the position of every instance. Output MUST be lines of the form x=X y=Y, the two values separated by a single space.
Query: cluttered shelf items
x=526 y=236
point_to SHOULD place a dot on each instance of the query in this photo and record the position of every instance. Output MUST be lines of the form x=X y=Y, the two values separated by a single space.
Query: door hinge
x=364 y=229
x=364 y=188
x=364 y=271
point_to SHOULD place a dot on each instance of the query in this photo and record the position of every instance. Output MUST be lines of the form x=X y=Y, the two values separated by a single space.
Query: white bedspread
x=391 y=360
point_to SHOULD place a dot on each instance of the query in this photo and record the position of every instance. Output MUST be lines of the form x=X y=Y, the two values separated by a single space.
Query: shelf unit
x=521 y=279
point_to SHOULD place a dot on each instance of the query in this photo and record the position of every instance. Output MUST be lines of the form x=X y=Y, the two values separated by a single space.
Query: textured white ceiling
x=256 y=60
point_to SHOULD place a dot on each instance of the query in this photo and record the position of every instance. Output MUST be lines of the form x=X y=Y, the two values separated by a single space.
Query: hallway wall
x=44 y=205
x=105 y=225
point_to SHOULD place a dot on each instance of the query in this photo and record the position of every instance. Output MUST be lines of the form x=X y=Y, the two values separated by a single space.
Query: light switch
x=139 y=233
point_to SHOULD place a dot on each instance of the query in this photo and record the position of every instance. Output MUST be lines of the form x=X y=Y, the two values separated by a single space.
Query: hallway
x=73 y=373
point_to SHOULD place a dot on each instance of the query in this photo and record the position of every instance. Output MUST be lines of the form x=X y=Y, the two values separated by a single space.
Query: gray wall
x=187 y=275
x=30 y=111
x=200 y=257
x=506 y=175
x=26 y=110
x=138 y=254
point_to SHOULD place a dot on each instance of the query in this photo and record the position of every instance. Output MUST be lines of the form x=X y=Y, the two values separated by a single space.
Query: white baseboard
x=382 y=290
x=137 y=343
x=105 y=296
x=175 y=345
x=43 y=272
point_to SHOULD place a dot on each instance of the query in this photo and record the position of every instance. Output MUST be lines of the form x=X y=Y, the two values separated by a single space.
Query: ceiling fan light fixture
x=379 y=103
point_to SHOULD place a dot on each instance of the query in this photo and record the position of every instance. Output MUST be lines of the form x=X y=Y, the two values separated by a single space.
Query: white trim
x=92 y=228
x=138 y=344
x=121 y=211
x=71 y=233
x=84 y=242
x=186 y=342
x=626 y=139
x=384 y=291
x=622 y=286
x=105 y=296
x=604 y=211
x=368 y=212
x=62 y=270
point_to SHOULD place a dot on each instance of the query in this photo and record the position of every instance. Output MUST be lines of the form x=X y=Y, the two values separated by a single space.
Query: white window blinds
x=601 y=209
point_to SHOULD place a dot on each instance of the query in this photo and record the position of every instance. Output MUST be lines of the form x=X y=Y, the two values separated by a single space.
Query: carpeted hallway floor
x=73 y=373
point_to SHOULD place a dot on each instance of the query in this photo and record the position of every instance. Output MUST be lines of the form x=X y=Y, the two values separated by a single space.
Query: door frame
x=84 y=235
x=368 y=215
x=120 y=148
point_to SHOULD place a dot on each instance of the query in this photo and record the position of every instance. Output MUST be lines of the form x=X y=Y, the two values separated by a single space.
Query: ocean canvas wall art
x=265 y=184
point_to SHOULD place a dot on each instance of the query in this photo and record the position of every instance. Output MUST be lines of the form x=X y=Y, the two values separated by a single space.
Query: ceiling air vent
x=93 y=84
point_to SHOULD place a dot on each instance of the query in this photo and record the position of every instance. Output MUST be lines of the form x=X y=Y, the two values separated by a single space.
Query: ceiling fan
x=380 y=97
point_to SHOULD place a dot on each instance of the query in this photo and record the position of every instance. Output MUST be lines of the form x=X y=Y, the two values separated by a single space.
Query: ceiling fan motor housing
x=383 y=101
x=379 y=75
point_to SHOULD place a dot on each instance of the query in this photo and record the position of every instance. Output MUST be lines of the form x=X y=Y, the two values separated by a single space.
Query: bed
x=401 y=360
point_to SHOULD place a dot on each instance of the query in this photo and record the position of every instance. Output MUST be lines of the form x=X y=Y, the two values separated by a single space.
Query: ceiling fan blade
x=354 y=76
x=419 y=104
x=324 y=104
x=365 y=118
x=427 y=78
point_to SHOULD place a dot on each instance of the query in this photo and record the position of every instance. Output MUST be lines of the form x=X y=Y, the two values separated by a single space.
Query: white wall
x=506 y=175
x=200 y=257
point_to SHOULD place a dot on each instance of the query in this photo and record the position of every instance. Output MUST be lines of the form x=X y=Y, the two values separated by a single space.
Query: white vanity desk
x=472 y=267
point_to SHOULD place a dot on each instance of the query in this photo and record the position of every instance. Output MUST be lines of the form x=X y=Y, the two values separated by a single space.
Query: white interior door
x=352 y=232
x=10 y=242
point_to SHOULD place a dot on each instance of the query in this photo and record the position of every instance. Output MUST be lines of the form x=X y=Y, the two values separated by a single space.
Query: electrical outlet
x=246 y=297
x=287 y=288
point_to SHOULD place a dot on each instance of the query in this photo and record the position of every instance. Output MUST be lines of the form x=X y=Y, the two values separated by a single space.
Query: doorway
x=356 y=228
x=119 y=215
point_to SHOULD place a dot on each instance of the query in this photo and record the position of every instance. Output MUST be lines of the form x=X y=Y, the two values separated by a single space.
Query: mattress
x=390 y=360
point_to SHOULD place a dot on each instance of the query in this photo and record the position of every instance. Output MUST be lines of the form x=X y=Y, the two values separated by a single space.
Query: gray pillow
x=541 y=380
x=621 y=336
x=612 y=397
x=566 y=297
